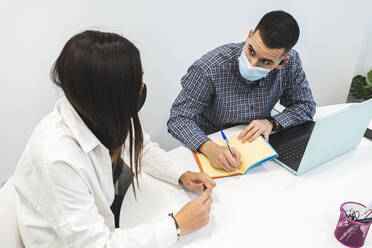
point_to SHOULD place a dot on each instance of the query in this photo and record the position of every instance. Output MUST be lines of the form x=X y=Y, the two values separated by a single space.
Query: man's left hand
x=255 y=129
x=197 y=181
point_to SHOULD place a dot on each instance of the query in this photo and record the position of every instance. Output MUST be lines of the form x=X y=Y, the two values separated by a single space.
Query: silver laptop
x=308 y=145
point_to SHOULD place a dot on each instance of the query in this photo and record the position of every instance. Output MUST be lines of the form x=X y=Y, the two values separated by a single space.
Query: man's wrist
x=272 y=122
x=278 y=124
x=205 y=147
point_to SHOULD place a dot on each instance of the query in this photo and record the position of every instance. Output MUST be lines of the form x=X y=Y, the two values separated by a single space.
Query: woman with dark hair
x=81 y=157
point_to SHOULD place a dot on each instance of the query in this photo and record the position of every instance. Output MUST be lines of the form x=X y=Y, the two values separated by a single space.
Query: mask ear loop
x=282 y=61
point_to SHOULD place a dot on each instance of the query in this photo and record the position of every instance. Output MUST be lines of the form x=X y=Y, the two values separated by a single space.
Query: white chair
x=9 y=232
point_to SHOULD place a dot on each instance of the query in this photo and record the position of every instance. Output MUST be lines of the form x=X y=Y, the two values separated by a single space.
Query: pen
x=369 y=220
x=227 y=143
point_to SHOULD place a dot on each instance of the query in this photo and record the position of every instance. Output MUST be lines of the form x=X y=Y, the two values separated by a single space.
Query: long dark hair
x=101 y=76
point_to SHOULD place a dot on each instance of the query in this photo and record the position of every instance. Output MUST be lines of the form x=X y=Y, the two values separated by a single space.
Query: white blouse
x=65 y=188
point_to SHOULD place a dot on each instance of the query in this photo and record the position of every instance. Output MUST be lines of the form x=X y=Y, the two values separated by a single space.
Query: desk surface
x=269 y=206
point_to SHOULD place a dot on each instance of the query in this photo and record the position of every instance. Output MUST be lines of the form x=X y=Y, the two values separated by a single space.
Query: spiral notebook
x=252 y=155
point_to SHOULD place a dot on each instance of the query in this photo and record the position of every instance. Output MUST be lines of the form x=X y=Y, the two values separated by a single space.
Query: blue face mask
x=249 y=72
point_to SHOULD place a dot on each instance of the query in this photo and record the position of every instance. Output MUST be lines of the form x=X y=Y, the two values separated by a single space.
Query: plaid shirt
x=215 y=96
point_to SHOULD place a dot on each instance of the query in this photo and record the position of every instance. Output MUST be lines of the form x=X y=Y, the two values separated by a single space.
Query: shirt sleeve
x=297 y=97
x=75 y=218
x=157 y=163
x=194 y=97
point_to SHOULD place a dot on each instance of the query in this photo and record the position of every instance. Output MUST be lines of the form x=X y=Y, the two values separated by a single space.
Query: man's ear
x=249 y=35
x=282 y=62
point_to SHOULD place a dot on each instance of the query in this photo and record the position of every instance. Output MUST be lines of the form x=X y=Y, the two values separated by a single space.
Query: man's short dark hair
x=278 y=29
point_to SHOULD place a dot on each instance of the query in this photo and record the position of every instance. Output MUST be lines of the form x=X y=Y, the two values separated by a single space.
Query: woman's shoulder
x=50 y=148
x=50 y=141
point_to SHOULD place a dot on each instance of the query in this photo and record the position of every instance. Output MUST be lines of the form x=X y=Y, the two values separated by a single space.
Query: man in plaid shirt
x=240 y=83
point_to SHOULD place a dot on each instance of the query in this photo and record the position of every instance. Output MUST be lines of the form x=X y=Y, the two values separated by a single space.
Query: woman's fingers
x=207 y=181
x=208 y=202
x=204 y=196
x=200 y=181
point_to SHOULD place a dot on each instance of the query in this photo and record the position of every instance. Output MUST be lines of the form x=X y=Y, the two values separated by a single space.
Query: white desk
x=268 y=207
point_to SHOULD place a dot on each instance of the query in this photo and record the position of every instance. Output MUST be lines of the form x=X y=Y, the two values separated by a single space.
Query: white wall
x=334 y=45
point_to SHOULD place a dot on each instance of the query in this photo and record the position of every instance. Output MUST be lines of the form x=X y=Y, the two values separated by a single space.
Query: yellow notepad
x=252 y=154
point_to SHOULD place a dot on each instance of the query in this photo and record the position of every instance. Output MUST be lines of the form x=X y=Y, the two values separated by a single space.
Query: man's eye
x=251 y=52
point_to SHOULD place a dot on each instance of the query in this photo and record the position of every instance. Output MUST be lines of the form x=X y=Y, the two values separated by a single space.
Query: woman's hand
x=195 y=214
x=197 y=181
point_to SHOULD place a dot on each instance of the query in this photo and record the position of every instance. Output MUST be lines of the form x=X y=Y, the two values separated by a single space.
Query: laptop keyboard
x=291 y=154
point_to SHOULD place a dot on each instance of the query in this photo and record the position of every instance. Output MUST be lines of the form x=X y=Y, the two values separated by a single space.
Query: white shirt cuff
x=165 y=231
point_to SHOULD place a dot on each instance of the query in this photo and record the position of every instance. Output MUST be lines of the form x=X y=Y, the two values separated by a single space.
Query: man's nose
x=254 y=61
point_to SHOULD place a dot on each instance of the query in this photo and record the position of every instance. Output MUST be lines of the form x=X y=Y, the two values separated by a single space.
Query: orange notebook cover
x=252 y=155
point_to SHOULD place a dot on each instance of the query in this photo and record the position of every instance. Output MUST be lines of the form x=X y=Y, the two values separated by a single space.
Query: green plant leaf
x=369 y=76
x=358 y=90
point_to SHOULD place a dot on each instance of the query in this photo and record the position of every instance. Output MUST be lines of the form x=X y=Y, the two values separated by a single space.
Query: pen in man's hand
x=227 y=143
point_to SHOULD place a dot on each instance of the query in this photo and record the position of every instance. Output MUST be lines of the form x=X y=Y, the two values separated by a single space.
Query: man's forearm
x=207 y=146
x=187 y=132
x=295 y=114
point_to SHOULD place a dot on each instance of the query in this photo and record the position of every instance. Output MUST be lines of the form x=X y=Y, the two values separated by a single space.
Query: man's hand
x=255 y=129
x=220 y=156
x=197 y=181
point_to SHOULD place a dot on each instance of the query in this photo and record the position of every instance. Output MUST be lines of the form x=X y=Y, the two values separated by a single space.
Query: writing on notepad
x=252 y=155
